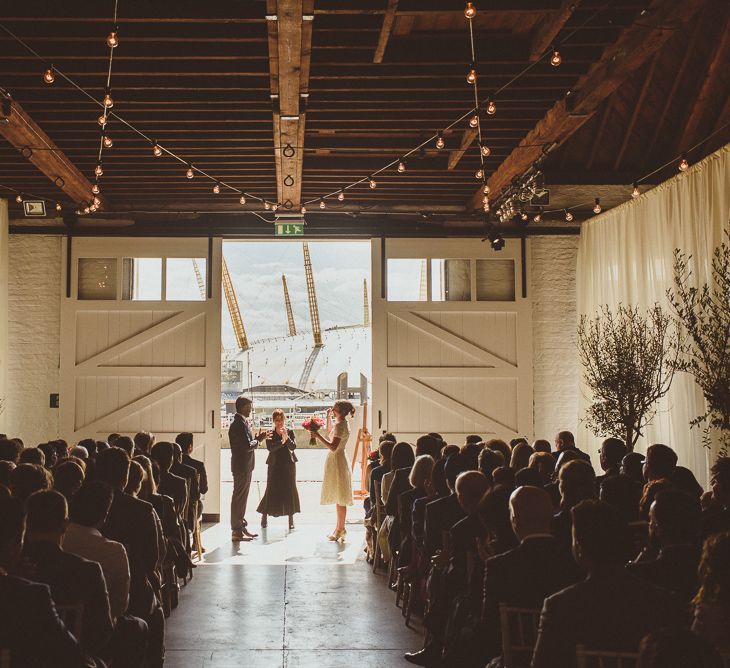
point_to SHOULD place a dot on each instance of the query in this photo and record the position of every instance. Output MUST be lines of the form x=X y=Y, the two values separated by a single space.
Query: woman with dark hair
x=712 y=602
x=493 y=513
x=281 y=496
x=337 y=482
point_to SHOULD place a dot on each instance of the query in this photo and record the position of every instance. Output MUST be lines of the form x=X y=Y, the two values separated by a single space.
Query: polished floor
x=289 y=598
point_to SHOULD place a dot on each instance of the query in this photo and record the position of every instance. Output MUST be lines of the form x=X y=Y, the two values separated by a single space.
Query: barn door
x=140 y=343
x=452 y=339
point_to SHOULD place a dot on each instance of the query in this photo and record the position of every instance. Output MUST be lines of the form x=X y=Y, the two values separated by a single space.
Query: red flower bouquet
x=312 y=425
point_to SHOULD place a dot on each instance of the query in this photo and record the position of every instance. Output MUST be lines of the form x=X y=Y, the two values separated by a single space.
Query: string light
x=87 y=209
x=217 y=189
x=373 y=183
x=95 y=189
x=274 y=206
x=440 y=143
x=401 y=167
x=341 y=195
x=597 y=206
x=190 y=173
x=485 y=150
x=108 y=101
x=19 y=198
x=479 y=174
x=304 y=209
x=555 y=59
x=267 y=206
x=242 y=199
x=97 y=202
x=470 y=11
x=471 y=77
x=537 y=217
x=156 y=150
x=98 y=171
x=486 y=189
x=491 y=107
x=48 y=76
x=568 y=216
x=112 y=40
x=486 y=206
x=58 y=206
x=101 y=120
x=107 y=141
x=635 y=192
x=322 y=205
x=683 y=164
x=523 y=215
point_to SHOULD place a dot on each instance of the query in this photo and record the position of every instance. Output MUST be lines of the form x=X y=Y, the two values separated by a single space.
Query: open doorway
x=296 y=335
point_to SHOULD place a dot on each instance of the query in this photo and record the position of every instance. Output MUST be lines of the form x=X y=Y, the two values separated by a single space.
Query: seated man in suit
x=134 y=523
x=73 y=580
x=611 y=609
x=674 y=548
x=171 y=484
x=185 y=441
x=564 y=441
x=660 y=463
x=31 y=629
x=442 y=514
x=523 y=576
x=612 y=451
x=471 y=486
x=190 y=475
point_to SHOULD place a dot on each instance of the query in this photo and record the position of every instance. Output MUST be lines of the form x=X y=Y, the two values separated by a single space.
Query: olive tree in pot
x=703 y=315
x=628 y=359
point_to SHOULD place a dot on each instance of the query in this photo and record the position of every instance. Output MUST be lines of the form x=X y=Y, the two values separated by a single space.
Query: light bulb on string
x=267 y=206
x=156 y=150
x=373 y=183
x=107 y=141
x=485 y=150
x=568 y=216
x=474 y=121
x=48 y=76
x=97 y=202
x=102 y=120
x=537 y=217
x=322 y=205
x=555 y=59
x=242 y=199
x=523 y=216
x=274 y=206
x=217 y=189
x=190 y=173
x=112 y=40
x=402 y=166
x=304 y=209
x=87 y=209
x=635 y=192
x=491 y=107
x=479 y=174
x=93 y=208
x=597 y=206
x=341 y=195
x=58 y=206
x=108 y=101
x=95 y=189
x=470 y=11
x=683 y=164
x=486 y=189
x=486 y=207
x=485 y=199
x=19 y=198
x=440 y=143
x=98 y=171
x=471 y=77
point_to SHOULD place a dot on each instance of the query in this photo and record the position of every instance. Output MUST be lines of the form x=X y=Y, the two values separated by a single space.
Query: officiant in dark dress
x=281 y=496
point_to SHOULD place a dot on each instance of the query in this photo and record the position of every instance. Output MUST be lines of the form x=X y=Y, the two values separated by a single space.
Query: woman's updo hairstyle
x=344 y=408
x=278 y=413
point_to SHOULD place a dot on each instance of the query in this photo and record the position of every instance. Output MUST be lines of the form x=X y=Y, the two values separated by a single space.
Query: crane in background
x=366 y=305
x=312 y=294
x=289 y=312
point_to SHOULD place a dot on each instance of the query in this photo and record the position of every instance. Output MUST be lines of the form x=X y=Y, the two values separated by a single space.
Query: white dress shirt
x=88 y=543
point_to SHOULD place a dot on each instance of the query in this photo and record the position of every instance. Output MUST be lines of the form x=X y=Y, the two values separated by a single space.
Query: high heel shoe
x=291 y=522
x=338 y=536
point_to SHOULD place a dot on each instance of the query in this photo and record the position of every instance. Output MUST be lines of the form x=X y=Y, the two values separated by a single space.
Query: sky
x=256 y=268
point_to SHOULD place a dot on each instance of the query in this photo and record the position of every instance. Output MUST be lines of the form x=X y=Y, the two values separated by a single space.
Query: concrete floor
x=288 y=598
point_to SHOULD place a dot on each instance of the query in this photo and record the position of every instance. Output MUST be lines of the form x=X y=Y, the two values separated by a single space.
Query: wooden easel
x=361 y=453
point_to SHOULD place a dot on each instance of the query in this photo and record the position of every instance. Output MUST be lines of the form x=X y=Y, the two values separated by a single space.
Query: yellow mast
x=233 y=309
x=289 y=313
x=366 y=306
x=199 y=279
x=312 y=294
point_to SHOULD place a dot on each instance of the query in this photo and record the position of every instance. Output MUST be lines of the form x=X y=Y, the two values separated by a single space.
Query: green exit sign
x=289 y=229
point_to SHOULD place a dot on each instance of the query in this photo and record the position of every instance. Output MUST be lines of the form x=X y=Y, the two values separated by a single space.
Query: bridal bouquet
x=311 y=425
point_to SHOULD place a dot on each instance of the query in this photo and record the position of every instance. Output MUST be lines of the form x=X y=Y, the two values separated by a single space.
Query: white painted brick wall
x=556 y=368
x=34 y=316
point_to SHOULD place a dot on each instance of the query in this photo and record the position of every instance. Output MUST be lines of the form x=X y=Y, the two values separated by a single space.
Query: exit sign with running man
x=289 y=229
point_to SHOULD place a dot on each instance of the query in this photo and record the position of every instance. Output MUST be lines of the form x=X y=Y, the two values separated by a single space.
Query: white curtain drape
x=626 y=256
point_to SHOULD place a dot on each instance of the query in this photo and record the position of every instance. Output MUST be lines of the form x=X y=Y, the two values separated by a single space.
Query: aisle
x=288 y=598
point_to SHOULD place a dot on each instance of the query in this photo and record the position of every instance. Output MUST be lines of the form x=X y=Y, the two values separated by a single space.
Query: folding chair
x=379 y=514
x=595 y=658
x=519 y=634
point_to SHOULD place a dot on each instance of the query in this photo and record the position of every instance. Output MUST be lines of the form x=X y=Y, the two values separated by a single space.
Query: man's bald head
x=531 y=510
x=471 y=486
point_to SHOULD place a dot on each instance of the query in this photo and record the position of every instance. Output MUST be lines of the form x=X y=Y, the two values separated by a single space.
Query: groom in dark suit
x=243 y=458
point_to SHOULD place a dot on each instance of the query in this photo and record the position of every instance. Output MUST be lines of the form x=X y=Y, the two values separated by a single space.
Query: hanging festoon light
x=322 y=205
x=485 y=150
x=401 y=165
x=440 y=143
x=19 y=198
x=58 y=206
x=635 y=192
x=190 y=173
x=683 y=163
x=568 y=216
x=373 y=183
x=304 y=209
x=107 y=140
x=491 y=107
x=112 y=40
x=341 y=196
x=479 y=174
x=471 y=77
x=523 y=216
x=470 y=11
x=48 y=76
x=597 y=206
x=95 y=189
x=274 y=206
x=267 y=206
x=102 y=120
x=538 y=216
x=108 y=100
x=98 y=171
x=474 y=121
x=486 y=189
x=156 y=150
x=217 y=188
x=242 y=199
x=555 y=58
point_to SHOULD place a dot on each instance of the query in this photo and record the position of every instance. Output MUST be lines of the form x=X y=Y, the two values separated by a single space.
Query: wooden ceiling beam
x=18 y=128
x=544 y=35
x=467 y=139
x=388 y=21
x=636 y=44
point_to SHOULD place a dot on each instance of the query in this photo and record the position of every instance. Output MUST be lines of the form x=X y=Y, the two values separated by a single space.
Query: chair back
x=519 y=635
x=72 y=615
x=379 y=507
x=595 y=658
x=4 y=658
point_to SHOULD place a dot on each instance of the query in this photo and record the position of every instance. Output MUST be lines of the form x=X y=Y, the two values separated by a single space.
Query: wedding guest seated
x=439 y=489
x=612 y=451
x=577 y=483
x=190 y=475
x=79 y=451
x=493 y=511
x=442 y=514
x=564 y=441
x=712 y=602
x=660 y=463
x=716 y=503
x=488 y=461
x=72 y=579
x=185 y=441
x=395 y=482
x=524 y=575
x=385 y=450
x=471 y=486
x=541 y=445
x=31 y=628
x=471 y=451
x=553 y=488
x=10 y=450
x=505 y=476
x=621 y=493
x=673 y=554
x=611 y=609
x=520 y=458
x=428 y=444
x=61 y=447
x=500 y=446
x=544 y=464
x=126 y=444
x=28 y=478
x=450 y=449
x=632 y=465
x=170 y=484
x=677 y=648
x=6 y=468
x=651 y=489
x=528 y=476
x=49 y=450
x=112 y=439
x=143 y=442
x=684 y=480
x=421 y=486
x=68 y=477
x=32 y=456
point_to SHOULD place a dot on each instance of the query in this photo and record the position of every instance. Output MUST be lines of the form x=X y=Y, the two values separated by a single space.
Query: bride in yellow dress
x=337 y=482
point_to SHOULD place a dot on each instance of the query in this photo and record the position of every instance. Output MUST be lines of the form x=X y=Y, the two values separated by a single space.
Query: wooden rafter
x=467 y=139
x=290 y=46
x=387 y=28
x=548 y=30
x=39 y=149
x=636 y=44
